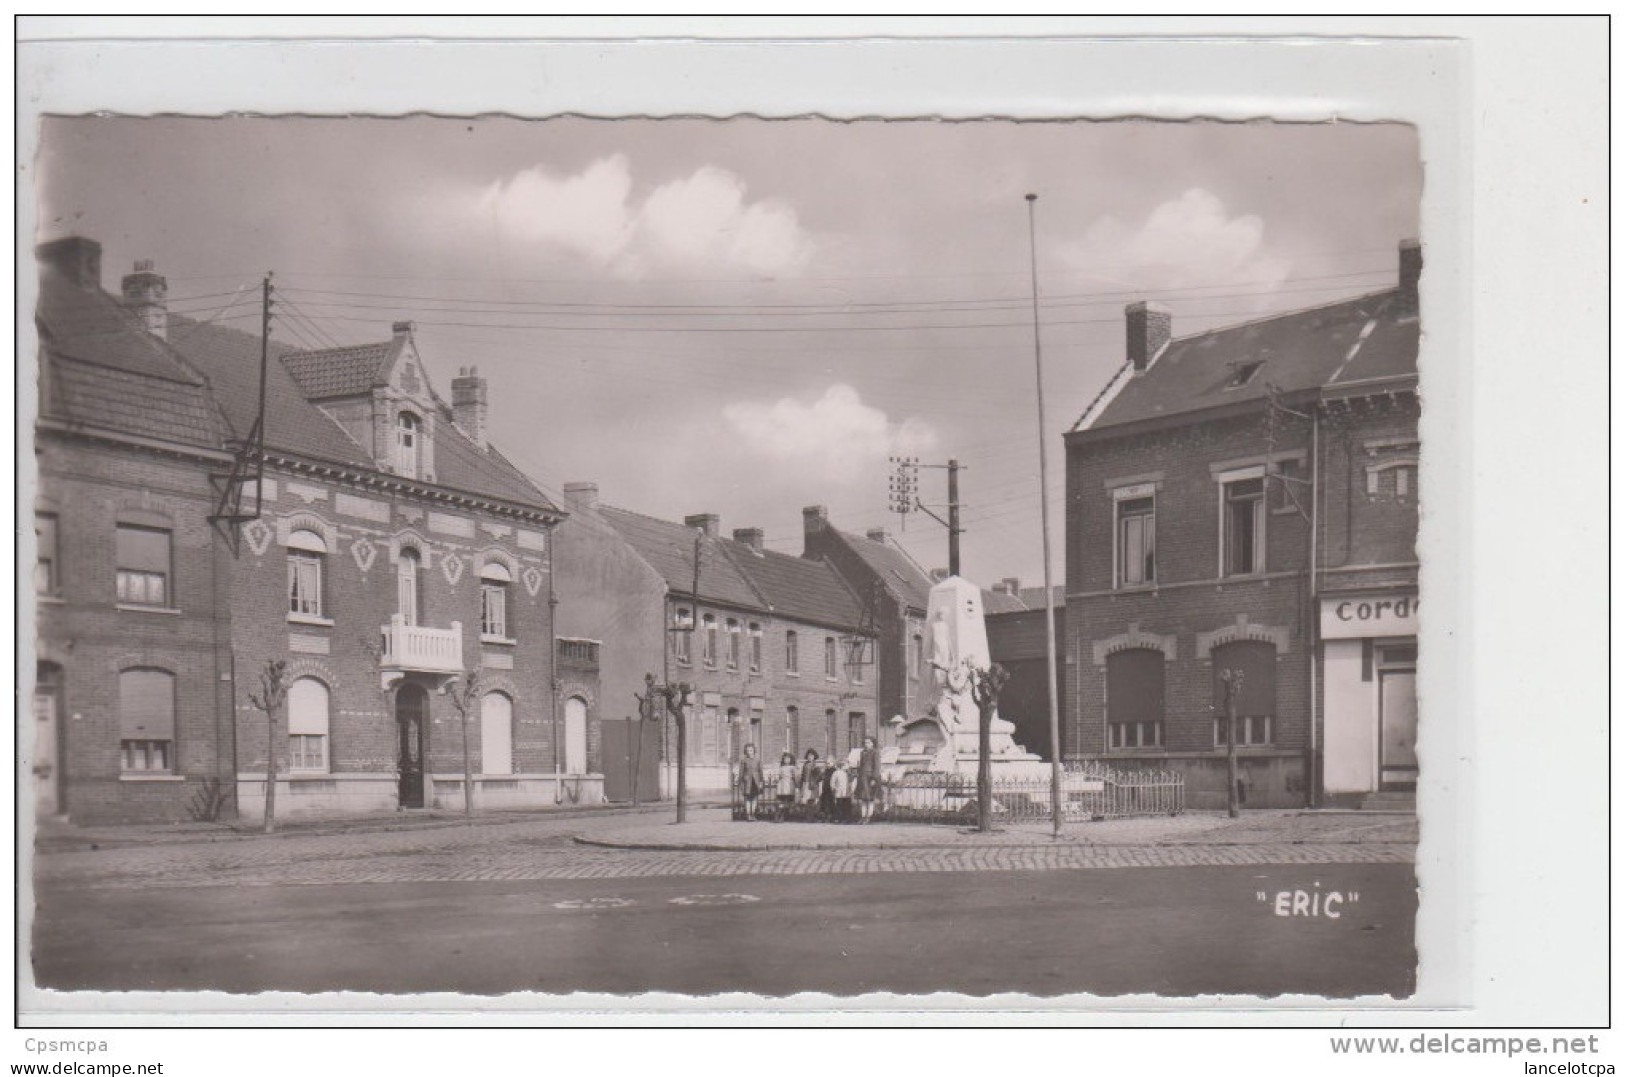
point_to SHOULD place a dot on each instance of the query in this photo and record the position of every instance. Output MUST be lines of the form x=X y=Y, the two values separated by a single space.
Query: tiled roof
x=669 y=549
x=797 y=588
x=340 y=371
x=895 y=569
x=994 y=602
x=1322 y=347
x=104 y=369
x=296 y=425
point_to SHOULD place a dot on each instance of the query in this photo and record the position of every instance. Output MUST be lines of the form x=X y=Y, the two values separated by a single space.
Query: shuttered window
x=308 y=725
x=1255 y=699
x=142 y=554
x=146 y=719
x=1135 y=699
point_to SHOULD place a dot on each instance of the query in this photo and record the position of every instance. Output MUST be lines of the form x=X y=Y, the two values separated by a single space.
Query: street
x=498 y=909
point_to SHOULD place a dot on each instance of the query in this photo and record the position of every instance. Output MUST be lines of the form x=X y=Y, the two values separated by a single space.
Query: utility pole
x=1052 y=689
x=905 y=484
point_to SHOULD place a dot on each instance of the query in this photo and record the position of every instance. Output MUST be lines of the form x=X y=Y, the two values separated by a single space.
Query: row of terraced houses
x=1240 y=499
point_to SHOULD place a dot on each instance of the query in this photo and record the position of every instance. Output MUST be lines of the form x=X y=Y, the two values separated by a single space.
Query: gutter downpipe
x=1315 y=769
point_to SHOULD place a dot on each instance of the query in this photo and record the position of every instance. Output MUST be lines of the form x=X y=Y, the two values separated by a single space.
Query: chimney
x=876 y=534
x=709 y=522
x=750 y=536
x=1010 y=585
x=403 y=329
x=581 y=495
x=147 y=296
x=1410 y=278
x=814 y=518
x=1150 y=327
x=468 y=407
x=75 y=257
x=938 y=575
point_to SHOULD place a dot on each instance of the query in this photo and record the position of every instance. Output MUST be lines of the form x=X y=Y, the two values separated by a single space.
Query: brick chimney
x=1150 y=327
x=146 y=294
x=1010 y=585
x=468 y=403
x=814 y=518
x=1410 y=278
x=876 y=534
x=75 y=257
x=709 y=522
x=581 y=495
x=750 y=536
x=403 y=329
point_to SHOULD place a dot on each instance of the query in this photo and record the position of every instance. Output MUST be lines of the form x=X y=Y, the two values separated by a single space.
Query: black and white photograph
x=516 y=554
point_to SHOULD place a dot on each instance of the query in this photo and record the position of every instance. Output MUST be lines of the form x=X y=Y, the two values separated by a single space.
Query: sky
x=746 y=317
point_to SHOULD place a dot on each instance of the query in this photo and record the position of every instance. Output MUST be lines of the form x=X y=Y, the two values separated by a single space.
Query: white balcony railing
x=422 y=650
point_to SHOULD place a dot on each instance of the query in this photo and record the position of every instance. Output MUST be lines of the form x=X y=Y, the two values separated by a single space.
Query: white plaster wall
x=1351 y=721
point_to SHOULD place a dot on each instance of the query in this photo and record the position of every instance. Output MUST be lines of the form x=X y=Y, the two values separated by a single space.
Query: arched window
x=733 y=643
x=494 y=582
x=146 y=704
x=496 y=734
x=408 y=443
x=1135 y=698
x=1255 y=699
x=575 y=735
x=406 y=585
x=308 y=723
x=307 y=556
x=710 y=640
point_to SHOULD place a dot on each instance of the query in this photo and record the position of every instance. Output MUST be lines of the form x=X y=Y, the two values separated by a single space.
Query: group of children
x=818 y=789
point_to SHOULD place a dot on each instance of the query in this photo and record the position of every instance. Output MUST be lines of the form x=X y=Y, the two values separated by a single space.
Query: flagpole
x=1043 y=500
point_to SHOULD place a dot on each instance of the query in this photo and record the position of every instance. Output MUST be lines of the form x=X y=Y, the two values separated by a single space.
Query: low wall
x=1269 y=779
x=328 y=794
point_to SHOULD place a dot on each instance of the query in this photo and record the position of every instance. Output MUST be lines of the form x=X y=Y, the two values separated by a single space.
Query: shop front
x=1368 y=650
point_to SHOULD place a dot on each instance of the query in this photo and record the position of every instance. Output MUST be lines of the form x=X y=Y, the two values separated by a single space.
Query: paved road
x=1174 y=930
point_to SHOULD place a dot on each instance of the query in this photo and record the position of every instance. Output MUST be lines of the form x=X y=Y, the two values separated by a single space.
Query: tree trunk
x=270 y=770
x=468 y=768
x=984 y=767
x=1230 y=755
x=682 y=770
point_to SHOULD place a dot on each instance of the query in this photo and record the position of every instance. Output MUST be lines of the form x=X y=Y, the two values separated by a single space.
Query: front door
x=1398 y=745
x=47 y=741
x=411 y=718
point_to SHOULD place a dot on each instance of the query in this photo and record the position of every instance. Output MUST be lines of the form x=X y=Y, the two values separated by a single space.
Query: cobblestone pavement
x=539 y=848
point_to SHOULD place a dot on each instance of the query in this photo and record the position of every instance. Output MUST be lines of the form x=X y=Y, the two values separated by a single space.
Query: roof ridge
x=1283 y=314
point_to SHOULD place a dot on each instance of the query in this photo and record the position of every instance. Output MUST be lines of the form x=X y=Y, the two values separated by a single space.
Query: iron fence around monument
x=1089 y=790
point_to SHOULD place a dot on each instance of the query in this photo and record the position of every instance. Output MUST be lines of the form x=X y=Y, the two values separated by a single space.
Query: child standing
x=840 y=787
x=786 y=788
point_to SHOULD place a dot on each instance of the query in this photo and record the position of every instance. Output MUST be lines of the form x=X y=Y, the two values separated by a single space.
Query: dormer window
x=408 y=443
x=1242 y=373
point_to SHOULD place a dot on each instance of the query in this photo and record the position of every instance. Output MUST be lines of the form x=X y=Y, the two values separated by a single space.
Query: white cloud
x=703 y=222
x=837 y=435
x=1187 y=242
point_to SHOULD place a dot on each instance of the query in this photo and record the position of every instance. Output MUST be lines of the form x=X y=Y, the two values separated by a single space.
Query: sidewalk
x=713 y=829
x=56 y=835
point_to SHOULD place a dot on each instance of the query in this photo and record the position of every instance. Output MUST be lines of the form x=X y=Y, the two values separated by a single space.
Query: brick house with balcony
x=774 y=647
x=394 y=553
x=132 y=690
x=1246 y=499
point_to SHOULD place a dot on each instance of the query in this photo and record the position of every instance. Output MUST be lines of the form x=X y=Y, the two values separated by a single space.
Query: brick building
x=1246 y=499
x=775 y=647
x=895 y=591
x=395 y=552
x=132 y=697
x=1016 y=640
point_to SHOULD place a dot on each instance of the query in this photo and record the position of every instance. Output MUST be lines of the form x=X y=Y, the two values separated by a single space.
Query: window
x=406 y=585
x=46 y=581
x=1135 y=699
x=710 y=641
x=830 y=668
x=1242 y=535
x=1242 y=373
x=792 y=730
x=755 y=648
x=496 y=734
x=408 y=442
x=143 y=565
x=146 y=701
x=494 y=581
x=306 y=553
x=733 y=643
x=857 y=727
x=683 y=638
x=1255 y=700
x=1136 y=541
x=854 y=659
x=792 y=655
x=916 y=656
x=308 y=702
x=829 y=733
